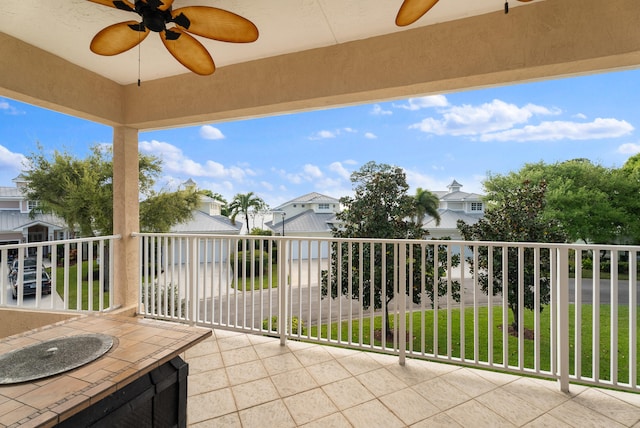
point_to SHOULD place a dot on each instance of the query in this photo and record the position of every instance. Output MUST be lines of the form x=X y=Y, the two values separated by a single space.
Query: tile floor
x=239 y=380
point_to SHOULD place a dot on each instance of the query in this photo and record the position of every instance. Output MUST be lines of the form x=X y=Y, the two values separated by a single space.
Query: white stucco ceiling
x=65 y=28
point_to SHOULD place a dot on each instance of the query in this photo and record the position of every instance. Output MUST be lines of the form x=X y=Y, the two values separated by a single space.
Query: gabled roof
x=449 y=219
x=204 y=223
x=12 y=220
x=458 y=196
x=307 y=221
x=310 y=198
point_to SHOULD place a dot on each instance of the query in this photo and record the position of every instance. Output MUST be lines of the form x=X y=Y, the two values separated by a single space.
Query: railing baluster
x=563 y=318
x=400 y=291
x=633 y=316
x=449 y=304
x=595 y=347
x=577 y=305
x=537 y=309
x=613 y=332
x=505 y=306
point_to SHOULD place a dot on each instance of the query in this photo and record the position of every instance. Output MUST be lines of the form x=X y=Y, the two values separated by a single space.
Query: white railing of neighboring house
x=78 y=270
x=586 y=332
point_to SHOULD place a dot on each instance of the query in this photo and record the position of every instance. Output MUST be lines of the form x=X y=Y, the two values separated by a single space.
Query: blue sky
x=436 y=139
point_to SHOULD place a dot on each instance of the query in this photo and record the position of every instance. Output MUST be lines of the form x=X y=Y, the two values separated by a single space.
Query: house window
x=476 y=206
x=32 y=204
x=323 y=206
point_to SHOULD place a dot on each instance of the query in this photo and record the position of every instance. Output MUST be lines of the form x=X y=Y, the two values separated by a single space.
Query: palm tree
x=243 y=203
x=426 y=203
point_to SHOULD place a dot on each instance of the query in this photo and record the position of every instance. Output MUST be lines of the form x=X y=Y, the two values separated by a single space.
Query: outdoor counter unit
x=140 y=380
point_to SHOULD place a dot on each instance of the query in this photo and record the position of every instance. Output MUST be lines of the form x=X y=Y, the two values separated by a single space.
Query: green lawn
x=420 y=337
x=73 y=287
x=257 y=282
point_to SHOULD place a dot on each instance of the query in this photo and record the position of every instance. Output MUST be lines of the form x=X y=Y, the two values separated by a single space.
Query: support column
x=125 y=217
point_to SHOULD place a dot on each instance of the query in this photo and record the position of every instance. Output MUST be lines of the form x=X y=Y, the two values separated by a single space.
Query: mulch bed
x=528 y=333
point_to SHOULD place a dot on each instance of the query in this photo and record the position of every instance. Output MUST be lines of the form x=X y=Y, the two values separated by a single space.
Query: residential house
x=312 y=214
x=17 y=225
x=454 y=205
x=207 y=218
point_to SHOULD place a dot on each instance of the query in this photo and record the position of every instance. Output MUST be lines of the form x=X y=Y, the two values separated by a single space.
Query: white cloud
x=424 y=102
x=174 y=161
x=288 y=176
x=209 y=132
x=629 y=149
x=379 y=111
x=337 y=168
x=468 y=120
x=321 y=135
x=8 y=108
x=325 y=134
x=312 y=171
x=370 y=135
x=267 y=185
x=562 y=130
x=8 y=159
x=417 y=179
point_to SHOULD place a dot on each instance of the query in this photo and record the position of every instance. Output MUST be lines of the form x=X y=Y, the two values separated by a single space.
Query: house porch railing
x=582 y=324
x=75 y=275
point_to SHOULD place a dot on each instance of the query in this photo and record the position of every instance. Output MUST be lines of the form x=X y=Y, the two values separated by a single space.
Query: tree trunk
x=388 y=332
x=514 y=310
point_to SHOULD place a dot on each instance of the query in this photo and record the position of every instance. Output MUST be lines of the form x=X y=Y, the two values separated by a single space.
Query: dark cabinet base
x=158 y=400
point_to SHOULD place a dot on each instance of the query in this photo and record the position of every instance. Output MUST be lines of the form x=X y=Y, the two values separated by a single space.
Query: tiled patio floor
x=239 y=380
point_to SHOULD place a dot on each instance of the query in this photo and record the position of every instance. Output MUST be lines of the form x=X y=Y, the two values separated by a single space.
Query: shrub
x=164 y=291
x=252 y=257
x=295 y=324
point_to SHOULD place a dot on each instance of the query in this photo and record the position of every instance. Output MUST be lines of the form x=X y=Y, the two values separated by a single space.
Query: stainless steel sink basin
x=52 y=357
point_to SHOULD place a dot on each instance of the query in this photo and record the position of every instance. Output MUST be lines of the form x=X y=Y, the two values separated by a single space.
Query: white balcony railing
x=582 y=325
x=74 y=275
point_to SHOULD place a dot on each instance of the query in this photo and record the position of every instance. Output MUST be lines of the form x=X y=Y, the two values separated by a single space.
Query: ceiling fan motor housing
x=152 y=17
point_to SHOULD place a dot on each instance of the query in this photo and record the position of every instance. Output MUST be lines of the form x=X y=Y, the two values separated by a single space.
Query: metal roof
x=204 y=223
x=310 y=198
x=307 y=221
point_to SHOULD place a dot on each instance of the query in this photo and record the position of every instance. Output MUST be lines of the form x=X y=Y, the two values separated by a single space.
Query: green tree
x=381 y=208
x=517 y=217
x=426 y=204
x=162 y=210
x=628 y=190
x=243 y=203
x=594 y=204
x=80 y=191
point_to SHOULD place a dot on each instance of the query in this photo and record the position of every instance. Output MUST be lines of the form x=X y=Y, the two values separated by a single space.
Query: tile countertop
x=140 y=346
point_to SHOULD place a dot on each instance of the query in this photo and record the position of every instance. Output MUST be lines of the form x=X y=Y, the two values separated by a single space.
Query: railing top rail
x=62 y=241
x=575 y=246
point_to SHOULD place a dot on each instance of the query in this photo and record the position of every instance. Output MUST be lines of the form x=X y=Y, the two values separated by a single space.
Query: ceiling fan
x=157 y=15
x=412 y=10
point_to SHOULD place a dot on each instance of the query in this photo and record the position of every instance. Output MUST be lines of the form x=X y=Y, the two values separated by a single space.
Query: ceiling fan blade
x=216 y=24
x=118 y=38
x=158 y=4
x=412 y=10
x=188 y=51
x=166 y=4
x=118 y=4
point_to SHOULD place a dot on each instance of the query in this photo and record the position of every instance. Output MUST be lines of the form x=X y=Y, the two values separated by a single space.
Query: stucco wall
x=16 y=321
